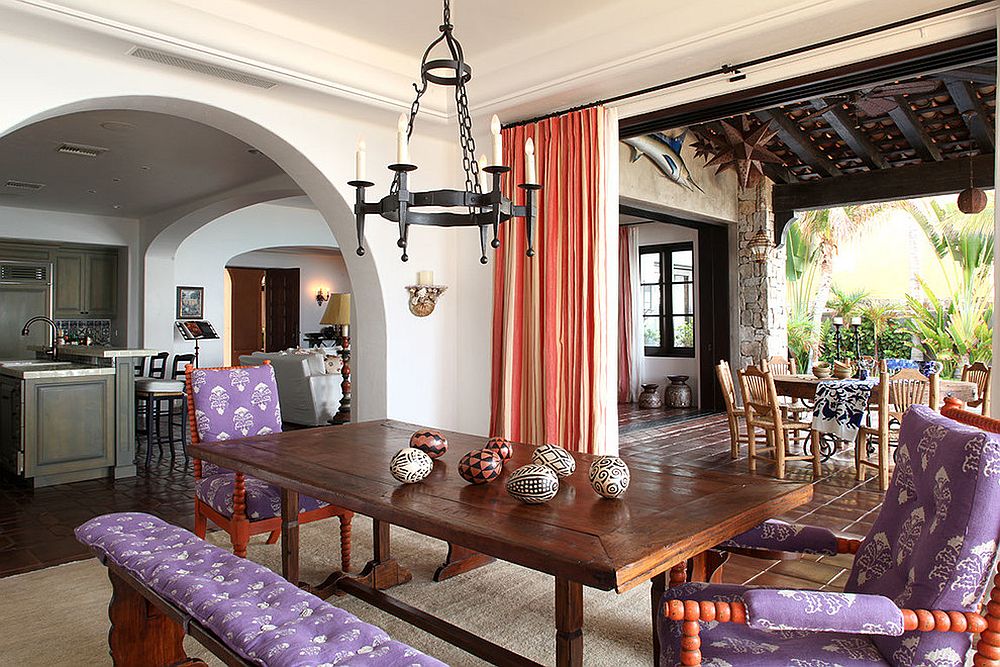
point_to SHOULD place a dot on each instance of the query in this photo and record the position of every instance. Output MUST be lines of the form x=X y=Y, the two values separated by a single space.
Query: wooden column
x=569 y=623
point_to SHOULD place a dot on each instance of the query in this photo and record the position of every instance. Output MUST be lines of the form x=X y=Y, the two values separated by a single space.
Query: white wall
x=413 y=362
x=656 y=369
x=231 y=241
x=316 y=270
x=60 y=227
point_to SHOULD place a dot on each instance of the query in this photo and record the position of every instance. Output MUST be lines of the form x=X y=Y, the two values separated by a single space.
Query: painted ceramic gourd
x=430 y=442
x=533 y=484
x=410 y=465
x=480 y=466
x=609 y=476
x=555 y=457
x=501 y=446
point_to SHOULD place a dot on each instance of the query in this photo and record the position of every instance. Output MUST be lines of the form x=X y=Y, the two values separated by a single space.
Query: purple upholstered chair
x=240 y=402
x=932 y=547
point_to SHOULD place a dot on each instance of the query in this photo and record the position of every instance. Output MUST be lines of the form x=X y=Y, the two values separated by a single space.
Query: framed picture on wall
x=190 y=303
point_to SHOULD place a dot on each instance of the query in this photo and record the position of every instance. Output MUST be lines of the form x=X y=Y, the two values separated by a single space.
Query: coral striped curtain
x=628 y=376
x=553 y=372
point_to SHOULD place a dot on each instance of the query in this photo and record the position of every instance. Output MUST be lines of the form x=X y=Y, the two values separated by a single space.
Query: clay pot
x=650 y=397
x=678 y=392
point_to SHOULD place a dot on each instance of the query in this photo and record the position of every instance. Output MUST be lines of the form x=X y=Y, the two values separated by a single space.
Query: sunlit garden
x=908 y=279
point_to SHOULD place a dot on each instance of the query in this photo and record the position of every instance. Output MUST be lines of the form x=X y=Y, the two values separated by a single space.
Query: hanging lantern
x=759 y=246
x=972 y=199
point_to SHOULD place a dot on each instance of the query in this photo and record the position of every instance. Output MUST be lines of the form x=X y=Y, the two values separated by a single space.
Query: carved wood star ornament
x=743 y=149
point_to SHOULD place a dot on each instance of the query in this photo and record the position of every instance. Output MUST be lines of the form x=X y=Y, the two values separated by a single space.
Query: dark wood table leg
x=459 y=561
x=381 y=572
x=140 y=633
x=290 y=535
x=658 y=585
x=569 y=623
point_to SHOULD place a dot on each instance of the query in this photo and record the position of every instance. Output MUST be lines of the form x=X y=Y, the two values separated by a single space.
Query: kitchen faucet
x=52 y=338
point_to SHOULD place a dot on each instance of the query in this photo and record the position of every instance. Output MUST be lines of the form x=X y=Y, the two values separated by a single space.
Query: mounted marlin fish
x=664 y=152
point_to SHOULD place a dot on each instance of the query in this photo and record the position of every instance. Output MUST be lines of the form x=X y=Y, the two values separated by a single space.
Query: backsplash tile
x=98 y=330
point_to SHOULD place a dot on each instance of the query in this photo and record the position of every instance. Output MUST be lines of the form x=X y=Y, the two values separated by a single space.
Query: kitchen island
x=70 y=418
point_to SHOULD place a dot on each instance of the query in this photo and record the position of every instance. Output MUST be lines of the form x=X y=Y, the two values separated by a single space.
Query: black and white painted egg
x=533 y=484
x=609 y=476
x=410 y=465
x=555 y=457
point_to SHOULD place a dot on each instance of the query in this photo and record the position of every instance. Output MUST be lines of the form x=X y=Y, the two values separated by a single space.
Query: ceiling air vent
x=14 y=272
x=82 y=150
x=24 y=185
x=201 y=67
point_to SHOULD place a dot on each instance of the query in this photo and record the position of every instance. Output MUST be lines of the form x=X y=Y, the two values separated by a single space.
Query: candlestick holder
x=423 y=298
x=836 y=337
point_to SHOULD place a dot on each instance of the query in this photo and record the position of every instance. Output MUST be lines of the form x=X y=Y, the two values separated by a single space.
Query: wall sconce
x=423 y=298
x=760 y=246
x=322 y=296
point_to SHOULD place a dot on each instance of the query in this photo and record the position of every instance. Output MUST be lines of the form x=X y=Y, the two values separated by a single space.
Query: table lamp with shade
x=338 y=313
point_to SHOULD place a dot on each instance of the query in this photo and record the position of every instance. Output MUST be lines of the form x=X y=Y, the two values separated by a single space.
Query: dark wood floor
x=36 y=526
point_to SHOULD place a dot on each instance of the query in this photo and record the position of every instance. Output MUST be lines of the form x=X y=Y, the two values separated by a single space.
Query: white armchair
x=307 y=394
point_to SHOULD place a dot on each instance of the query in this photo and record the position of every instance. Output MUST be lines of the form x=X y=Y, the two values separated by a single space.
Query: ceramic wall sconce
x=423 y=298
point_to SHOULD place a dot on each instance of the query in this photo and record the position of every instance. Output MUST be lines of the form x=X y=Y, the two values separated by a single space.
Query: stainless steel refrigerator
x=25 y=291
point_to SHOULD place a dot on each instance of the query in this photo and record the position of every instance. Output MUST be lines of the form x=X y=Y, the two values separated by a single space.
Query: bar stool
x=158 y=365
x=151 y=393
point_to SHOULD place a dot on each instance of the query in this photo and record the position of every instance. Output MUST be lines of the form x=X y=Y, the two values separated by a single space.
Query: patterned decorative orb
x=410 y=465
x=480 y=466
x=430 y=442
x=533 y=484
x=501 y=446
x=609 y=476
x=555 y=457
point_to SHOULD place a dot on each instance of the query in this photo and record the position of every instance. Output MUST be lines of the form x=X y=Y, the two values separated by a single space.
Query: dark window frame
x=666 y=348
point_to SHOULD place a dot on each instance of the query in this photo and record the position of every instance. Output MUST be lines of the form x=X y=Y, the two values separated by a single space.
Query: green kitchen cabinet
x=58 y=430
x=85 y=283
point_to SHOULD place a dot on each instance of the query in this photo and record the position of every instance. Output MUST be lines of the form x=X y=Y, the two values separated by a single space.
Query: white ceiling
x=154 y=162
x=529 y=56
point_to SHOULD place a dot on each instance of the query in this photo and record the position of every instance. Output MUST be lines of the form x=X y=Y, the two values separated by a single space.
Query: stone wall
x=763 y=316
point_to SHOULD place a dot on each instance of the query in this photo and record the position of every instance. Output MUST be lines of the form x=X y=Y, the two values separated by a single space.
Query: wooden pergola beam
x=974 y=113
x=844 y=126
x=909 y=124
x=922 y=180
x=798 y=142
x=985 y=74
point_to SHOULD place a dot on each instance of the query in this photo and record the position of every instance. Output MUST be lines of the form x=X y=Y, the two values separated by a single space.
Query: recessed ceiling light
x=117 y=126
x=93 y=192
x=116 y=180
x=144 y=168
x=116 y=206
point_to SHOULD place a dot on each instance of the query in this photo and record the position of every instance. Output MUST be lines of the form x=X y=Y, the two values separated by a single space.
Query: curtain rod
x=735 y=69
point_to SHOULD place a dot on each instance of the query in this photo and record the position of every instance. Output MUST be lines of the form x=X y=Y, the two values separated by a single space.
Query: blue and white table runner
x=841 y=406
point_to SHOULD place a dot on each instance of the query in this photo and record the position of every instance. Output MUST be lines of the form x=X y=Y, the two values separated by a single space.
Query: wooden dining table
x=669 y=514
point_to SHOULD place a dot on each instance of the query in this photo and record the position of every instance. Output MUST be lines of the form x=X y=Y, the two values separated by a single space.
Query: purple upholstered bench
x=168 y=582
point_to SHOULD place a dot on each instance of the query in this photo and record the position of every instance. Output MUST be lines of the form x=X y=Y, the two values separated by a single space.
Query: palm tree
x=880 y=314
x=846 y=304
x=827 y=229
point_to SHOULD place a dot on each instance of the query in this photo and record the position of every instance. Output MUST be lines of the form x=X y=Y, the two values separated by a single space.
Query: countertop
x=40 y=370
x=95 y=351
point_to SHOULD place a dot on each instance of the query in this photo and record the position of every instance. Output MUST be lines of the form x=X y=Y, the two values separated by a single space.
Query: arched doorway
x=160 y=237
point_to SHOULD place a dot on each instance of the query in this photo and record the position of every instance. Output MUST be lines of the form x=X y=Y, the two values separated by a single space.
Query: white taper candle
x=402 y=141
x=359 y=161
x=497 y=140
x=529 y=161
x=485 y=182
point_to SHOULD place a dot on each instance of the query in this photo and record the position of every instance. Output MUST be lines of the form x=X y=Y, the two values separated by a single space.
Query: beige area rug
x=58 y=616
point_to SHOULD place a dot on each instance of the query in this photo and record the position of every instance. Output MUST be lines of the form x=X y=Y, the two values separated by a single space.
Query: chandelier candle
x=359 y=161
x=529 y=161
x=482 y=203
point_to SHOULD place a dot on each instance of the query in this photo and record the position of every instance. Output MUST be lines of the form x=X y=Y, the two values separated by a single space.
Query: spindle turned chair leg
x=751 y=448
x=345 y=541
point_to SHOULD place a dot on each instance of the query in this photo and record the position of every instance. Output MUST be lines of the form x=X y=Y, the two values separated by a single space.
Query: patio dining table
x=803 y=387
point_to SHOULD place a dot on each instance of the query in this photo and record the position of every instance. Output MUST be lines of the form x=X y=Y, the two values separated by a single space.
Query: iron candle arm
x=360 y=211
x=402 y=204
x=530 y=213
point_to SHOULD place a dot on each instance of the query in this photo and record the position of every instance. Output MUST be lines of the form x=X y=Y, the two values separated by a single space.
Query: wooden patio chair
x=226 y=404
x=794 y=408
x=764 y=411
x=895 y=394
x=734 y=413
x=981 y=374
x=779 y=365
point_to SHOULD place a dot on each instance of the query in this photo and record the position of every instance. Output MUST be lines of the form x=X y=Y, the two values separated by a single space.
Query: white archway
x=370 y=351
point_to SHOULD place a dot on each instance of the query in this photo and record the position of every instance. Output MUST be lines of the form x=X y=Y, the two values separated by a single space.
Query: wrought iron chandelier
x=486 y=207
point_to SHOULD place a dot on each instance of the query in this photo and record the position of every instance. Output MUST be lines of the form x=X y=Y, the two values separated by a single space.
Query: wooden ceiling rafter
x=798 y=142
x=911 y=127
x=973 y=112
